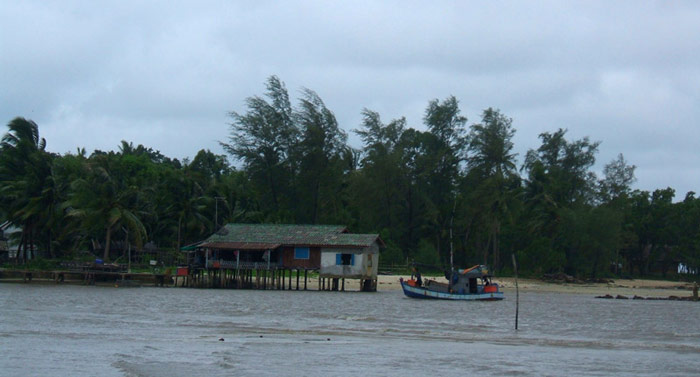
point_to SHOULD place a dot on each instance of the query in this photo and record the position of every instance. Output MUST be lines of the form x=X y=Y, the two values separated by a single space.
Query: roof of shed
x=267 y=235
x=241 y=245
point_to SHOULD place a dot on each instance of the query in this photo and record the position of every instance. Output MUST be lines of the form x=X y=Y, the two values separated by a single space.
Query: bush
x=427 y=254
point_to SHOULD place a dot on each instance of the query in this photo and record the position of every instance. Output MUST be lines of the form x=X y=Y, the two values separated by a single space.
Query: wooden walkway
x=86 y=277
x=274 y=279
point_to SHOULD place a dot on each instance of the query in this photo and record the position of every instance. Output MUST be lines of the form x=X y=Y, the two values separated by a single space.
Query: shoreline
x=648 y=288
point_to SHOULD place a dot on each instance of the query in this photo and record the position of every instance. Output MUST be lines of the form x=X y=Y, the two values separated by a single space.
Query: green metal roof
x=284 y=234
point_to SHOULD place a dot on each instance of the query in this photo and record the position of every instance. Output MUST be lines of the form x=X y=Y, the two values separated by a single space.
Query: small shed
x=354 y=256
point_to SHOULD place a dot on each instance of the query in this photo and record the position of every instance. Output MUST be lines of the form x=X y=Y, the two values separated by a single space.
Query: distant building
x=4 y=249
x=7 y=249
x=328 y=249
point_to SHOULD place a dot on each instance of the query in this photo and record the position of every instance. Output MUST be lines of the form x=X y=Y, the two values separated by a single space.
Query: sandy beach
x=624 y=287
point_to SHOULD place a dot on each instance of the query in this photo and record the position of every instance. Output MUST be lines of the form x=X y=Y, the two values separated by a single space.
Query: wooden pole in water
x=517 y=293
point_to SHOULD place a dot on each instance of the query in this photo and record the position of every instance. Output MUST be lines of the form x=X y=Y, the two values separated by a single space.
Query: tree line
x=453 y=187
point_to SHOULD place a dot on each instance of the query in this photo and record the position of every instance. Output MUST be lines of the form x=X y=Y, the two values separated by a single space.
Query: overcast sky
x=166 y=74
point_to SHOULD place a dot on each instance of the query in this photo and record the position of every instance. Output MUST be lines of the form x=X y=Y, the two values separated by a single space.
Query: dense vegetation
x=451 y=186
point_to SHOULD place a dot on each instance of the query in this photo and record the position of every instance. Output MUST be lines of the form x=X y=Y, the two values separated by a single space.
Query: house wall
x=314 y=261
x=365 y=264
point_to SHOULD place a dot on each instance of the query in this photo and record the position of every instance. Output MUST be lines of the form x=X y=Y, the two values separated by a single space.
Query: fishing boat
x=471 y=284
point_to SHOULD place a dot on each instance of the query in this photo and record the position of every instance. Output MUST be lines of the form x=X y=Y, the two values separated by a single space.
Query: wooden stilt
x=305 y=276
x=343 y=289
x=297 y=279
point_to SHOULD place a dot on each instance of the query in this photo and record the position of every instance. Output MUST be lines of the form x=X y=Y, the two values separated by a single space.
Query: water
x=87 y=331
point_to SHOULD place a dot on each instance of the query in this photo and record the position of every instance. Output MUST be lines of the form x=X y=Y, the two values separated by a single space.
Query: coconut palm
x=107 y=202
x=24 y=168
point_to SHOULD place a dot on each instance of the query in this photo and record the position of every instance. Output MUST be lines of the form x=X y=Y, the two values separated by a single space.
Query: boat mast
x=452 y=218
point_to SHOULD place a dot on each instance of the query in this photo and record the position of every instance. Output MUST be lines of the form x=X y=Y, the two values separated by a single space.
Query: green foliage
x=427 y=254
x=41 y=264
x=539 y=257
x=450 y=188
x=392 y=255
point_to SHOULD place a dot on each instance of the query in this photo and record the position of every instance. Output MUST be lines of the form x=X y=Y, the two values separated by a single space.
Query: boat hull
x=420 y=292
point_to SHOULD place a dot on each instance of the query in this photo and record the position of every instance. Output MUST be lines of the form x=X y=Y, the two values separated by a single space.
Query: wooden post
x=297 y=279
x=517 y=292
x=343 y=289
x=290 y=279
x=305 y=276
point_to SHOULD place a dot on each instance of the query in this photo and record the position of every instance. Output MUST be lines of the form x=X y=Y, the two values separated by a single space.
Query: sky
x=166 y=74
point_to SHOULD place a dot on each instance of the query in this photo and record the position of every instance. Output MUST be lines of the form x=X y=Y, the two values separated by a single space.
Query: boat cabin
x=474 y=280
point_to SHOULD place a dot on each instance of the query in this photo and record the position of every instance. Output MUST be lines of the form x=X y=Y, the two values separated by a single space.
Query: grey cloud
x=165 y=74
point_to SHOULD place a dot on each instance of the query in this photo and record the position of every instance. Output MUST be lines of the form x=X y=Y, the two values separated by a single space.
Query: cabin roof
x=270 y=236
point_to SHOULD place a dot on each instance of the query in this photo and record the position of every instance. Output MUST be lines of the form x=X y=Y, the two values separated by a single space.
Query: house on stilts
x=267 y=256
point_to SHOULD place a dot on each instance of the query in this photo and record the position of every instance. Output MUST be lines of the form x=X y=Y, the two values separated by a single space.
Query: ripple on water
x=157 y=332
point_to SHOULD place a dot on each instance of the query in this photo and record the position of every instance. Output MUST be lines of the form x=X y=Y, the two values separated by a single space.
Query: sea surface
x=67 y=330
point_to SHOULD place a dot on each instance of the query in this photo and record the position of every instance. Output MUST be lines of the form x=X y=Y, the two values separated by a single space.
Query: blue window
x=301 y=253
x=345 y=259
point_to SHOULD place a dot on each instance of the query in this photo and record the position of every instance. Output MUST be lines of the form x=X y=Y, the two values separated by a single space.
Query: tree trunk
x=486 y=249
x=387 y=197
x=31 y=243
x=646 y=258
x=48 y=246
x=317 y=194
x=108 y=241
x=19 y=248
x=179 y=227
x=271 y=184
x=496 y=245
x=410 y=217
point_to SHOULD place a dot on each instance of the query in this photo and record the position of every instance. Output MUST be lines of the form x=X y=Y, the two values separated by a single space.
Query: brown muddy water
x=64 y=330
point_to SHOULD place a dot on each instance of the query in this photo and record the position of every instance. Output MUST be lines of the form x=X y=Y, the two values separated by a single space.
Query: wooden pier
x=260 y=278
x=86 y=277
x=222 y=278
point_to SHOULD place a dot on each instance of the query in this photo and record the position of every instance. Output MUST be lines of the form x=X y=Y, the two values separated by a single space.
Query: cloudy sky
x=166 y=74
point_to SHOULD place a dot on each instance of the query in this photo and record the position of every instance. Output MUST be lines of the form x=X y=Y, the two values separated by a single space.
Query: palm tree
x=493 y=167
x=107 y=202
x=188 y=206
x=24 y=168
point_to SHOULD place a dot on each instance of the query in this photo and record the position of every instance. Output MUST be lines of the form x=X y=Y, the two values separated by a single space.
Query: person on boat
x=419 y=281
